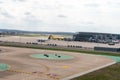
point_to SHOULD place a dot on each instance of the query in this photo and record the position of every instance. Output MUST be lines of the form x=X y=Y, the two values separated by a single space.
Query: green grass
x=108 y=73
x=58 y=49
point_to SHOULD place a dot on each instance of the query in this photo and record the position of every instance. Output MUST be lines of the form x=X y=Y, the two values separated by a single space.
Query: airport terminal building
x=96 y=37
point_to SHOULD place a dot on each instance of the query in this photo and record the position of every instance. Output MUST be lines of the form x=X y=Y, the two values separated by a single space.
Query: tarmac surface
x=24 y=67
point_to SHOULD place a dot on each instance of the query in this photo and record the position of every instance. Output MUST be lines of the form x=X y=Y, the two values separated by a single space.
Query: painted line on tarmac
x=38 y=74
x=47 y=68
x=86 y=72
x=31 y=73
x=19 y=71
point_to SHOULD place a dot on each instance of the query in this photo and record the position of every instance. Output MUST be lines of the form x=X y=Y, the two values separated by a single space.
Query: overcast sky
x=61 y=15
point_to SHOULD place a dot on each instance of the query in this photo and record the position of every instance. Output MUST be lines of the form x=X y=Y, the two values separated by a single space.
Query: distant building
x=0 y=33
x=96 y=37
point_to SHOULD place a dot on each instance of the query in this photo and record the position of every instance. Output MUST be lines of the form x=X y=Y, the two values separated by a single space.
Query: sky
x=61 y=15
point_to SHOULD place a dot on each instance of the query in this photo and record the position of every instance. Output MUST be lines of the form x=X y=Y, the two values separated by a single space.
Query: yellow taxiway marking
x=20 y=71
x=65 y=66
